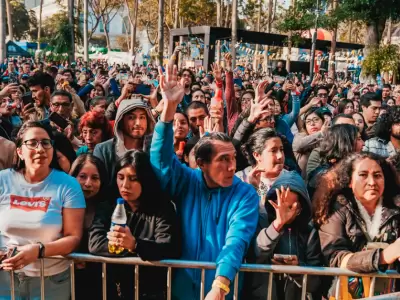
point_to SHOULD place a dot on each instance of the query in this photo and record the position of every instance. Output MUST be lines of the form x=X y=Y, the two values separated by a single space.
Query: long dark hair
x=89 y=158
x=342 y=105
x=152 y=196
x=338 y=143
x=20 y=164
x=337 y=182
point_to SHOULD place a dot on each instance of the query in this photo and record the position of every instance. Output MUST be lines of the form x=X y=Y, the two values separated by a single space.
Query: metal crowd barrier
x=169 y=264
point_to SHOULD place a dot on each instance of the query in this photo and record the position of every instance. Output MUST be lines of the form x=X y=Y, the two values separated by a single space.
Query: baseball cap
x=25 y=76
x=324 y=111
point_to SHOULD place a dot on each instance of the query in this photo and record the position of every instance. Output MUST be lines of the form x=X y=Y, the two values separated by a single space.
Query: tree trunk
x=3 y=53
x=134 y=27
x=234 y=32
x=9 y=20
x=332 y=58
x=40 y=24
x=350 y=31
x=160 y=32
x=176 y=15
x=85 y=30
x=71 y=57
x=389 y=31
x=227 y=14
x=269 y=25
x=219 y=19
x=105 y=22
x=256 y=55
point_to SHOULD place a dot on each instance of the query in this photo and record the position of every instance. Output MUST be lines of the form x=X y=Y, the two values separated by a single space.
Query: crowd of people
x=228 y=166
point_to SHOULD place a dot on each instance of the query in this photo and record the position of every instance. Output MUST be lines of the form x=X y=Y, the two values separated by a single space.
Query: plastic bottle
x=217 y=102
x=118 y=218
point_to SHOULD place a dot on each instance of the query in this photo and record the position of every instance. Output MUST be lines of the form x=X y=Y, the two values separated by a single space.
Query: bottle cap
x=120 y=201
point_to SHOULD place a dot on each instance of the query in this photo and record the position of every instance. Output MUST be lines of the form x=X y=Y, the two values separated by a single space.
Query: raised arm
x=169 y=170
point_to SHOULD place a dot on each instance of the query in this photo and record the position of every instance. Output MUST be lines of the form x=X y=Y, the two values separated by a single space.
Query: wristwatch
x=41 y=250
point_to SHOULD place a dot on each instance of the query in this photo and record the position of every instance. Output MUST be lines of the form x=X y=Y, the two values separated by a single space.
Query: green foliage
x=24 y=22
x=57 y=32
x=382 y=59
x=199 y=12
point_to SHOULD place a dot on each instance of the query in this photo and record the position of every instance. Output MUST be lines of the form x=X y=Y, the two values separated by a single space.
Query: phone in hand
x=27 y=99
x=58 y=120
x=283 y=258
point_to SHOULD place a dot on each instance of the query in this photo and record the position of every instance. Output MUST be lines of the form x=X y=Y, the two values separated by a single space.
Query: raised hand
x=284 y=211
x=254 y=176
x=228 y=60
x=172 y=92
x=217 y=71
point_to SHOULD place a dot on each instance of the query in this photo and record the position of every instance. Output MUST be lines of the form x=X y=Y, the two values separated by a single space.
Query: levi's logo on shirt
x=29 y=203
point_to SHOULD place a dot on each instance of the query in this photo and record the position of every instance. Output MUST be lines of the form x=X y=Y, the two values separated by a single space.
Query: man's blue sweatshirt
x=217 y=224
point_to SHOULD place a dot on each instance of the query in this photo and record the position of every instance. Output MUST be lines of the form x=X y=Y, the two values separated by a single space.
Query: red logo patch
x=29 y=204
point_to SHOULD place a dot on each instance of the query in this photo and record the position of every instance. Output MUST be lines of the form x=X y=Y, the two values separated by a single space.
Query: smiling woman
x=41 y=214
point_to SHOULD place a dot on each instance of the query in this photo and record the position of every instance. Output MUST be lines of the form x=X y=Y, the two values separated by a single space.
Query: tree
x=39 y=35
x=57 y=32
x=196 y=13
x=24 y=22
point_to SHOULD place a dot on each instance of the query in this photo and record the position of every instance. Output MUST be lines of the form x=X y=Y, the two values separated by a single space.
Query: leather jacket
x=344 y=233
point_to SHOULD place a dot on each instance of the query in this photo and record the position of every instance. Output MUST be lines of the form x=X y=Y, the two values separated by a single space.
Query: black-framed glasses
x=322 y=95
x=34 y=144
x=63 y=104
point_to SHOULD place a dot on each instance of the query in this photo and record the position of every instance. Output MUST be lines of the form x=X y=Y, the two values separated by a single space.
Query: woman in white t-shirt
x=41 y=213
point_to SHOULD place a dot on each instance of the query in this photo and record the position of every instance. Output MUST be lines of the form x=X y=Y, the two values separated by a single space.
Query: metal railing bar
x=42 y=279
x=202 y=283
x=72 y=269
x=304 y=288
x=236 y=287
x=372 y=287
x=169 y=283
x=12 y=285
x=104 y=280
x=137 y=282
x=319 y=271
x=270 y=281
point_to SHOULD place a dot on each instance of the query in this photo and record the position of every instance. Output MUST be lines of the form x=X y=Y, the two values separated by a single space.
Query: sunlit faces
x=35 y=150
x=313 y=123
x=272 y=158
x=196 y=118
x=359 y=121
x=91 y=137
x=371 y=113
x=367 y=181
x=89 y=179
x=129 y=187
x=135 y=123
x=180 y=126
x=198 y=96
x=219 y=172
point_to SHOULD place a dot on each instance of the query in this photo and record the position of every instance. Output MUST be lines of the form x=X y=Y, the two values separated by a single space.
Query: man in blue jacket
x=218 y=212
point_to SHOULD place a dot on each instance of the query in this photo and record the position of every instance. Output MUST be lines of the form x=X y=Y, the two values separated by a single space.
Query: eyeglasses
x=322 y=95
x=313 y=121
x=63 y=104
x=34 y=144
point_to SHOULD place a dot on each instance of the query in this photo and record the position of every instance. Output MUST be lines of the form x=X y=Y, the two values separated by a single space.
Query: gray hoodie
x=110 y=151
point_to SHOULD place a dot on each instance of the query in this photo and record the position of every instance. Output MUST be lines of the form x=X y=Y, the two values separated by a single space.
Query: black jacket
x=156 y=234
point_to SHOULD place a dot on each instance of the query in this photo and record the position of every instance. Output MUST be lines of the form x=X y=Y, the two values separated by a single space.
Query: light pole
x=314 y=42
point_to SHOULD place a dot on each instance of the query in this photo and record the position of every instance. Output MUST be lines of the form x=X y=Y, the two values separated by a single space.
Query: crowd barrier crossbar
x=169 y=264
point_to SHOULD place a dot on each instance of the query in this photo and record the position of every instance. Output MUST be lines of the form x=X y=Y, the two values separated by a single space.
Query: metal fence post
x=304 y=288
x=12 y=285
x=42 y=279
x=270 y=280
x=72 y=269
x=104 y=280
x=203 y=276
x=136 y=281
x=169 y=283
x=236 y=287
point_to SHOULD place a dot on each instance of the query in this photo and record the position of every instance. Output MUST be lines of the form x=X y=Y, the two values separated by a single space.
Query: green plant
x=385 y=58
